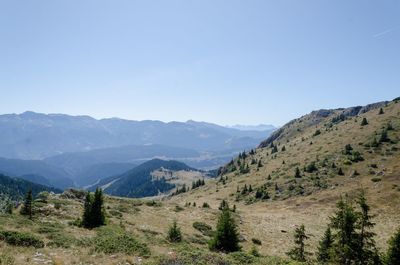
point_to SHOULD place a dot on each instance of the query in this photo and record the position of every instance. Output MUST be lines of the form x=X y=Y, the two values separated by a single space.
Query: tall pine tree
x=93 y=213
x=344 y=222
x=366 y=252
x=325 y=247
x=298 y=252
x=97 y=209
x=87 y=219
x=226 y=238
x=27 y=207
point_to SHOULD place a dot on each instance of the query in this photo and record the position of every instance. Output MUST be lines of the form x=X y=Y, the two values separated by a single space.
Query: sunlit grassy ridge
x=317 y=144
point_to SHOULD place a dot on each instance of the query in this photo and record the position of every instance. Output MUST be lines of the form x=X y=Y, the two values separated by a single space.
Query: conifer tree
x=226 y=237
x=244 y=191
x=259 y=164
x=283 y=149
x=297 y=173
x=381 y=111
x=27 y=207
x=93 y=212
x=366 y=243
x=364 y=122
x=298 y=252
x=223 y=205
x=344 y=222
x=274 y=150
x=87 y=219
x=325 y=247
x=393 y=254
x=384 y=137
x=174 y=233
x=97 y=209
x=340 y=172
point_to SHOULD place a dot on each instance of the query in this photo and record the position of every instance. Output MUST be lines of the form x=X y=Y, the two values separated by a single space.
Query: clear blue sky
x=226 y=62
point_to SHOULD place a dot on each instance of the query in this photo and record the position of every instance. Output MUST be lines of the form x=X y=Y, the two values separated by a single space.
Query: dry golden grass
x=271 y=221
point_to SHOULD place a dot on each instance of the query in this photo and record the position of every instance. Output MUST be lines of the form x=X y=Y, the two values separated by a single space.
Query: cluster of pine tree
x=348 y=239
x=93 y=213
x=178 y=190
x=382 y=138
x=198 y=183
x=245 y=190
x=274 y=148
x=262 y=193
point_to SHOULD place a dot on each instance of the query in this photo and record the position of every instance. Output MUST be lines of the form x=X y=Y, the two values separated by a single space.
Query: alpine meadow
x=199 y=132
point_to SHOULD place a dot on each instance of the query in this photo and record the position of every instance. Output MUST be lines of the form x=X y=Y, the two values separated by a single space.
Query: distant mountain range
x=33 y=135
x=260 y=127
x=64 y=151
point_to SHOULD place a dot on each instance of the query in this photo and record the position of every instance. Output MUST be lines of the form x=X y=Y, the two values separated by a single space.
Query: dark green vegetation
x=111 y=240
x=21 y=239
x=139 y=182
x=226 y=237
x=93 y=213
x=393 y=255
x=27 y=207
x=348 y=239
x=174 y=233
x=298 y=252
x=14 y=189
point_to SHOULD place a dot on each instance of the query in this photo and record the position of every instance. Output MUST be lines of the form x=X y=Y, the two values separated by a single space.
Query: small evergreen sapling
x=298 y=253
x=364 y=122
x=174 y=233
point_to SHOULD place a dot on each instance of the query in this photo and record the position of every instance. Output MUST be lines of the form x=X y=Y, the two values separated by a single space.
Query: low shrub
x=60 y=240
x=22 y=239
x=256 y=241
x=153 y=203
x=110 y=240
x=204 y=228
x=376 y=179
x=115 y=213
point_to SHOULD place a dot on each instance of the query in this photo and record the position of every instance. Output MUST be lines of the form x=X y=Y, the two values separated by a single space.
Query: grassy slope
x=266 y=220
x=271 y=221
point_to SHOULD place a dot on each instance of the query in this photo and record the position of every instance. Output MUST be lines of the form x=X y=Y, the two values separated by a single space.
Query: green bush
x=60 y=240
x=153 y=203
x=256 y=241
x=110 y=240
x=242 y=258
x=204 y=228
x=21 y=239
x=310 y=168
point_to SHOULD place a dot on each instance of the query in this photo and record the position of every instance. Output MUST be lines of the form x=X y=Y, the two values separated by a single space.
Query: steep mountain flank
x=149 y=179
x=297 y=175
